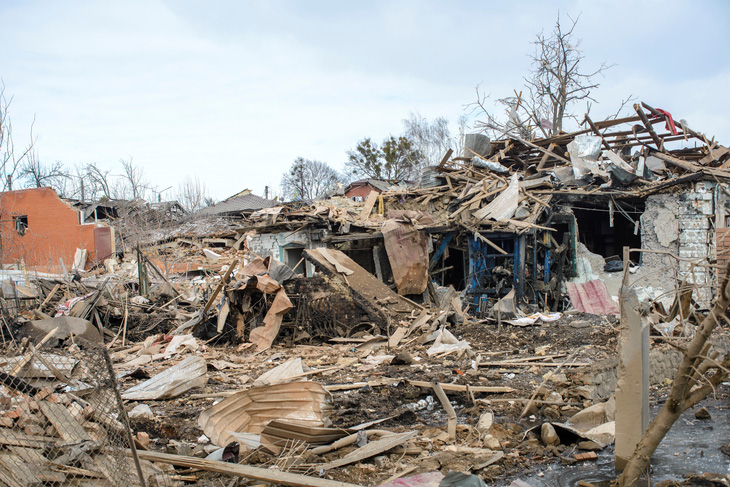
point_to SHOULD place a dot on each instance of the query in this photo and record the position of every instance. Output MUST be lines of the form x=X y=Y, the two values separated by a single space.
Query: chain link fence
x=62 y=421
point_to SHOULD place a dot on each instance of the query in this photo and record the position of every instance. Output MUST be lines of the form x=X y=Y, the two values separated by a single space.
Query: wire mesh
x=62 y=421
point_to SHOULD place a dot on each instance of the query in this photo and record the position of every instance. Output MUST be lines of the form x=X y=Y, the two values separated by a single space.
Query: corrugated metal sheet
x=592 y=297
x=237 y=204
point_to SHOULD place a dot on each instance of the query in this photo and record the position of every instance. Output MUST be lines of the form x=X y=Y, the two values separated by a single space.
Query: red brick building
x=39 y=229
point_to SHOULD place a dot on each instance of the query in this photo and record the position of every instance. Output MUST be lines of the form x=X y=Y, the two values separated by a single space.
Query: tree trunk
x=682 y=396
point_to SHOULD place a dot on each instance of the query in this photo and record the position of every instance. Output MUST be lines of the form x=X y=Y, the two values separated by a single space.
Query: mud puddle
x=691 y=446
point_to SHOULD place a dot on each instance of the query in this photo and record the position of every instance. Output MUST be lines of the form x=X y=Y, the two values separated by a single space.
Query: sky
x=232 y=92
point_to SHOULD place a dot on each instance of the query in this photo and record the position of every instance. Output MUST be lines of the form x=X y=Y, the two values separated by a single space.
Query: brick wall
x=722 y=246
x=53 y=230
x=696 y=236
x=361 y=191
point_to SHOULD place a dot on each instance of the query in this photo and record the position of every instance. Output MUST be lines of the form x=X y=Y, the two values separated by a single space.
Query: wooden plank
x=367 y=290
x=649 y=127
x=397 y=336
x=546 y=155
x=597 y=132
x=49 y=297
x=537 y=358
x=29 y=356
x=490 y=243
x=16 y=438
x=40 y=464
x=497 y=457
x=106 y=466
x=543 y=150
x=451 y=427
x=676 y=161
x=446 y=157
x=68 y=428
x=528 y=364
x=256 y=473
x=338 y=267
x=371 y=449
x=369 y=205
x=15 y=472
x=220 y=286
x=462 y=388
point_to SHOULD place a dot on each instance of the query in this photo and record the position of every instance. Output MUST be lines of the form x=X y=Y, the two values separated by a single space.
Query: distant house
x=39 y=229
x=362 y=188
x=237 y=206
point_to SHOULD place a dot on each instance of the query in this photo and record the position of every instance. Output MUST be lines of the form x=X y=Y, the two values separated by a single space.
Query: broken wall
x=682 y=224
x=659 y=231
x=284 y=246
x=52 y=231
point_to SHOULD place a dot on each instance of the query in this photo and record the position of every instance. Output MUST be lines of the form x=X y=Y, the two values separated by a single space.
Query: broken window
x=606 y=229
x=21 y=224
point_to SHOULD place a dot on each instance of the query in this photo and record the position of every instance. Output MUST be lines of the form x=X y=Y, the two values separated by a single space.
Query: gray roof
x=238 y=204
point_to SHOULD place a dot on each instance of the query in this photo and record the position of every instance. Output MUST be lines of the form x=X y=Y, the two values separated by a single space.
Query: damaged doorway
x=453 y=271
x=606 y=229
x=294 y=258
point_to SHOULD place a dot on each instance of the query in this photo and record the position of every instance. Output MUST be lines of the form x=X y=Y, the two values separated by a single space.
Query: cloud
x=233 y=92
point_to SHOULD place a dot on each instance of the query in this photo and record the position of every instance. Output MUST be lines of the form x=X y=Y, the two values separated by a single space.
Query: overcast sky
x=234 y=91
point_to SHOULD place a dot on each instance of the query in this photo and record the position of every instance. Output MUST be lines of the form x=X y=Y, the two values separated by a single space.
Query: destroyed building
x=530 y=215
x=465 y=329
x=42 y=232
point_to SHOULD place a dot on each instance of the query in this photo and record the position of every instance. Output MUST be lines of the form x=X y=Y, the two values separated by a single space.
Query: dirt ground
x=398 y=402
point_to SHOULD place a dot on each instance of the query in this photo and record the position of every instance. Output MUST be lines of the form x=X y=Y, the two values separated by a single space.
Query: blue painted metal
x=481 y=261
x=548 y=257
x=518 y=276
x=441 y=249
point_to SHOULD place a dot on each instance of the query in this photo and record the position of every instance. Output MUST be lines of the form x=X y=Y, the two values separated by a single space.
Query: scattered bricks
x=52 y=398
x=77 y=411
x=89 y=412
x=33 y=406
x=28 y=419
x=143 y=439
x=5 y=402
x=50 y=431
x=6 y=422
x=34 y=430
x=582 y=457
x=12 y=414
x=45 y=392
x=97 y=432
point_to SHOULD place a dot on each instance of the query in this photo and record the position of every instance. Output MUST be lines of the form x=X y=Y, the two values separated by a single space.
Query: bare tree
x=431 y=138
x=101 y=182
x=134 y=183
x=37 y=174
x=192 y=194
x=556 y=82
x=308 y=180
x=10 y=161
x=699 y=373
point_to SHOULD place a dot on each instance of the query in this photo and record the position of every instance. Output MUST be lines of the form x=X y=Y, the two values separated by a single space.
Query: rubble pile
x=428 y=335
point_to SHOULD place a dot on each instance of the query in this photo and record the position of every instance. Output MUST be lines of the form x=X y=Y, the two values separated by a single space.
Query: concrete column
x=632 y=389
